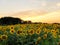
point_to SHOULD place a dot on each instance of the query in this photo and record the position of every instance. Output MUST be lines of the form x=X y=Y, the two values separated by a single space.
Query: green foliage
x=28 y=35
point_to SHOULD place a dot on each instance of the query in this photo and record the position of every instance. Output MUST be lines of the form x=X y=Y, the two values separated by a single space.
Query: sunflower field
x=30 y=34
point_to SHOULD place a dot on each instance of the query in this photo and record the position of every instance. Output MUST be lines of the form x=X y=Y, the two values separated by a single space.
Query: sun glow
x=48 y=17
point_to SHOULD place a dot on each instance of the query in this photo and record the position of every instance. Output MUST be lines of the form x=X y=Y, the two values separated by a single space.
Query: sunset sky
x=10 y=7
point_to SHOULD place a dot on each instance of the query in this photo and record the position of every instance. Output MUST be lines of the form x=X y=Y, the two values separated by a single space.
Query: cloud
x=50 y=17
x=43 y=3
x=58 y=4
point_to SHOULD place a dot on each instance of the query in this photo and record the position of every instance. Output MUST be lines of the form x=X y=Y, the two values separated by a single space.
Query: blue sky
x=9 y=6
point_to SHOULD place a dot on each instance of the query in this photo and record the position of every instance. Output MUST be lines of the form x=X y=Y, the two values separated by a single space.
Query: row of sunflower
x=30 y=34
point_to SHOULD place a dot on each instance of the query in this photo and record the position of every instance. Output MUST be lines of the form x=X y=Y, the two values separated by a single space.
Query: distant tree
x=10 y=20
x=29 y=22
x=25 y=22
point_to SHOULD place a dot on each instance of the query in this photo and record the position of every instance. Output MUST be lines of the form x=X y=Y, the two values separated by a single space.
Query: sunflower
x=0 y=27
x=0 y=38
x=53 y=31
x=45 y=30
x=31 y=32
x=19 y=32
x=11 y=27
x=57 y=31
x=44 y=36
x=59 y=36
x=12 y=31
x=38 y=32
x=4 y=37
x=3 y=29
x=25 y=32
x=58 y=43
x=54 y=35
x=5 y=32
x=38 y=40
x=48 y=31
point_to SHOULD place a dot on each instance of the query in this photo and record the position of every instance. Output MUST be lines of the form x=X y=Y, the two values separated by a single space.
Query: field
x=30 y=34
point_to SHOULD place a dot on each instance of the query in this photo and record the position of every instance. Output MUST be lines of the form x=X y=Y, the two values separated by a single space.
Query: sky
x=11 y=6
x=34 y=10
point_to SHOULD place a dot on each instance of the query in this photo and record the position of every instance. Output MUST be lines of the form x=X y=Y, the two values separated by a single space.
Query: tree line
x=12 y=20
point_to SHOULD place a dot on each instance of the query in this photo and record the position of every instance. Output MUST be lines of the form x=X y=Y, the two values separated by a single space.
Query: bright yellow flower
x=11 y=27
x=44 y=36
x=0 y=38
x=12 y=31
x=59 y=36
x=57 y=31
x=31 y=32
x=3 y=29
x=54 y=35
x=58 y=43
x=46 y=30
x=38 y=32
x=53 y=31
x=38 y=40
x=5 y=32
x=23 y=26
x=0 y=27
x=19 y=32
x=4 y=37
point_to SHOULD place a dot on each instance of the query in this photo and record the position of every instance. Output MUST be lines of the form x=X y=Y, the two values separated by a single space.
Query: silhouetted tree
x=10 y=20
x=29 y=22
x=25 y=22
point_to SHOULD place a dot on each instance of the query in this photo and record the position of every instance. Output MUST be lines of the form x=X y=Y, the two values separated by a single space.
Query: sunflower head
x=52 y=31
x=11 y=27
x=31 y=32
x=19 y=32
x=57 y=31
x=44 y=36
x=5 y=32
x=54 y=35
x=0 y=38
x=38 y=32
x=3 y=29
x=58 y=43
x=4 y=37
x=59 y=36
x=12 y=31
x=38 y=40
